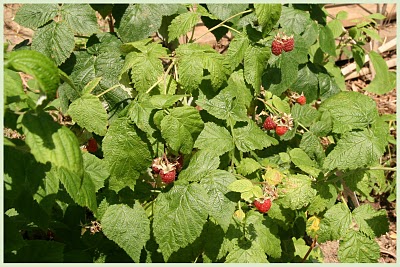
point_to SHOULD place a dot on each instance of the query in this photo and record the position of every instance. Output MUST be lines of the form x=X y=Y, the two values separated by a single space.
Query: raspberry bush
x=134 y=147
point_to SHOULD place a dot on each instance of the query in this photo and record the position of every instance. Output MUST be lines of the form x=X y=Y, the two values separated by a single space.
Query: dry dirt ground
x=14 y=34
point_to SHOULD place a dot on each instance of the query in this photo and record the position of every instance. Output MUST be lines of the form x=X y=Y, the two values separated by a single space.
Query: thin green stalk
x=232 y=29
x=108 y=90
x=166 y=74
x=223 y=22
x=154 y=85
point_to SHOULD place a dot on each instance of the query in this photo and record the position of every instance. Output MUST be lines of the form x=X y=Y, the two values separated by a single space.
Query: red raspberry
x=263 y=205
x=168 y=177
x=269 y=124
x=301 y=100
x=91 y=145
x=288 y=44
x=281 y=130
x=156 y=166
x=276 y=47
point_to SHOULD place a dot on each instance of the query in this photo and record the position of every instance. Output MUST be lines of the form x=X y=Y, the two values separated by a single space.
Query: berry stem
x=310 y=249
x=108 y=90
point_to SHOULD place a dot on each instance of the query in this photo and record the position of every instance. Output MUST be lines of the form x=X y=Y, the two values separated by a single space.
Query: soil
x=14 y=34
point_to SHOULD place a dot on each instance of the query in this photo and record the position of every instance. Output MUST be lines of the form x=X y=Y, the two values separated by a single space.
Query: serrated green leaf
x=327 y=41
x=126 y=153
x=89 y=113
x=268 y=15
x=384 y=80
x=43 y=70
x=181 y=127
x=50 y=142
x=39 y=251
x=55 y=40
x=296 y=191
x=236 y=50
x=220 y=207
x=96 y=169
x=179 y=216
x=250 y=137
x=305 y=114
x=128 y=227
x=301 y=160
x=307 y=82
x=335 y=223
x=200 y=165
x=12 y=237
x=241 y=186
x=224 y=11
x=246 y=252
x=263 y=231
x=357 y=248
x=47 y=191
x=215 y=138
x=312 y=146
x=336 y=27
x=325 y=198
x=14 y=95
x=350 y=110
x=81 y=18
x=355 y=150
x=358 y=181
x=165 y=101
x=255 y=59
x=281 y=105
x=371 y=222
x=141 y=20
x=327 y=86
x=35 y=15
x=238 y=88
x=293 y=20
x=140 y=111
x=281 y=216
x=91 y=85
x=247 y=166
x=79 y=187
x=182 y=24
x=190 y=70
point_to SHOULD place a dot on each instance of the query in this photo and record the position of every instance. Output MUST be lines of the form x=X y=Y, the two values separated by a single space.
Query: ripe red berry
x=288 y=44
x=301 y=100
x=281 y=130
x=269 y=124
x=276 y=47
x=168 y=177
x=263 y=205
x=91 y=145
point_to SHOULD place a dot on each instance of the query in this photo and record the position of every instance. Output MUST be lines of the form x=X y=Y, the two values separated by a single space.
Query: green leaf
x=241 y=186
x=224 y=11
x=141 y=20
x=268 y=15
x=12 y=237
x=43 y=70
x=246 y=252
x=179 y=216
x=182 y=24
x=305 y=114
x=91 y=85
x=96 y=169
x=301 y=160
x=126 y=153
x=307 y=82
x=296 y=191
x=255 y=59
x=224 y=106
x=165 y=101
x=203 y=162
x=327 y=86
x=190 y=68
x=336 y=27
x=89 y=113
x=80 y=187
x=325 y=198
x=236 y=51
x=293 y=20
x=281 y=105
x=50 y=142
x=181 y=127
x=140 y=111
x=335 y=223
x=215 y=138
x=55 y=40
x=220 y=207
x=14 y=95
x=128 y=227
x=238 y=88
x=39 y=251
x=357 y=248
x=281 y=216
x=81 y=18
x=47 y=191
x=350 y=110
x=355 y=150
x=371 y=222
x=263 y=231
x=250 y=137
x=248 y=166
x=327 y=41
x=35 y=15
x=384 y=81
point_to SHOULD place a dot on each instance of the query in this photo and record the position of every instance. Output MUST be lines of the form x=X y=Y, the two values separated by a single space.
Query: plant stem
x=108 y=90
x=383 y=168
x=310 y=249
x=222 y=23
x=154 y=85
x=230 y=28
x=166 y=74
